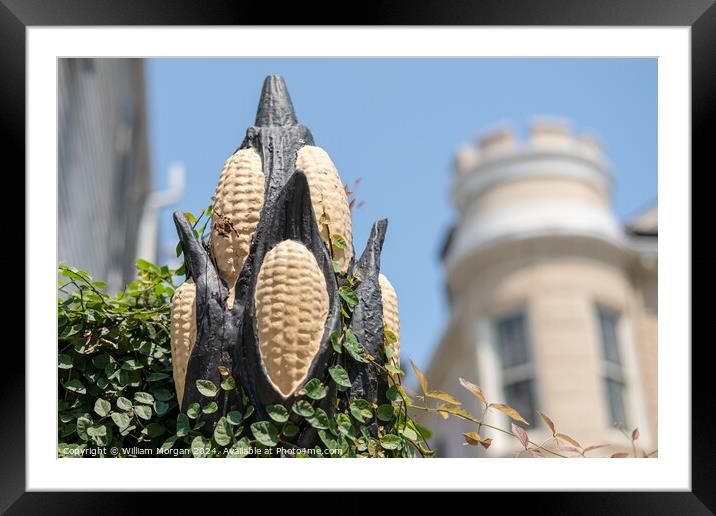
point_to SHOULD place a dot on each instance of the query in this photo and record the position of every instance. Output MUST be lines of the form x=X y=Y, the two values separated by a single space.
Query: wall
x=103 y=166
x=558 y=281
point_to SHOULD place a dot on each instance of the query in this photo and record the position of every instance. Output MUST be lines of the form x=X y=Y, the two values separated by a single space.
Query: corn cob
x=183 y=332
x=237 y=207
x=391 y=320
x=291 y=310
x=330 y=203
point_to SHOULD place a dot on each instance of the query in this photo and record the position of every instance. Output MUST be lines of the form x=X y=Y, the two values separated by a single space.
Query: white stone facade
x=554 y=302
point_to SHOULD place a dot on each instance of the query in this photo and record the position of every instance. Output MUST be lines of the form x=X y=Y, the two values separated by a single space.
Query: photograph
x=449 y=257
x=425 y=236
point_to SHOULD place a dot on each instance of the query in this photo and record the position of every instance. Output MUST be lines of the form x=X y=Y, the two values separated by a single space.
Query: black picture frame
x=700 y=15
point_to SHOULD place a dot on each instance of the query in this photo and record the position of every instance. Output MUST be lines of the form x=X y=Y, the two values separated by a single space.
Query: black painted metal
x=367 y=319
x=367 y=323
x=291 y=219
x=218 y=328
x=277 y=136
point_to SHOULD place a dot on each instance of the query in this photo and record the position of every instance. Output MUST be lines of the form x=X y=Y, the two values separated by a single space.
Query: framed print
x=431 y=240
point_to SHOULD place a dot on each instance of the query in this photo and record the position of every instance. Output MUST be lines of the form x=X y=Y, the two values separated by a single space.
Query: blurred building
x=553 y=302
x=104 y=177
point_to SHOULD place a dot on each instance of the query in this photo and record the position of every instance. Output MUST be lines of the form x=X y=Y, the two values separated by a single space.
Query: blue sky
x=396 y=123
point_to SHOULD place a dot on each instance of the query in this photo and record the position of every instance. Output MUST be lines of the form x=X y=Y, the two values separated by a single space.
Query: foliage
x=557 y=444
x=114 y=363
x=117 y=395
x=356 y=428
x=353 y=202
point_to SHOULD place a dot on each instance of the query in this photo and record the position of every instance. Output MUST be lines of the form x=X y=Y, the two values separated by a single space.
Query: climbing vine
x=116 y=394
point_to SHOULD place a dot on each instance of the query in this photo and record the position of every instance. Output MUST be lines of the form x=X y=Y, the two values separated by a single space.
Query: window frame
x=510 y=375
x=613 y=371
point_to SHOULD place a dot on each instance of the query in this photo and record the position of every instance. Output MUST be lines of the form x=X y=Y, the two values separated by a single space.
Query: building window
x=518 y=376
x=613 y=369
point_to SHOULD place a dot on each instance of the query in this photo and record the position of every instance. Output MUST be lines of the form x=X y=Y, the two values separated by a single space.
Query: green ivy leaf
x=210 y=408
x=315 y=389
x=303 y=408
x=329 y=440
x=123 y=403
x=207 y=388
x=290 y=430
x=240 y=450
x=340 y=376
x=424 y=432
x=409 y=433
x=385 y=412
x=104 y=440
x=234 y=417
x=223 y=434
x=229 y=384
x=161 y=407
x=319 y=420
x=183 y=425
x=83 y=423
x=335 y=342
x=354 y=348
x=249 y=411
x=98 y=433
x=163 y=394
x=102 y=407
x=153 y=430
x=64 y=361
x=391 y=442
x=393 y=394
x=349 y=296
x=200 y=446
x=193 y=411
x=121 y=419
x=390 y=337
x=74 y=385
x=278 y=413
x=101 y=361
x=361 y=410
x=143 y=397
x=166 y=445
x=339 y=241
x=132 y=365
x=265 y=433
x=344 y=425
x=394 y=370
x=143 y=411
x=143 y=265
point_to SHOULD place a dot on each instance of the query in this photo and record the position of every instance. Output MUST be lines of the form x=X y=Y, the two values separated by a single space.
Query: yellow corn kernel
x=238 y=201
x=391 y=319
x=291 y=310
x=329 y=200
x=183 y=332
